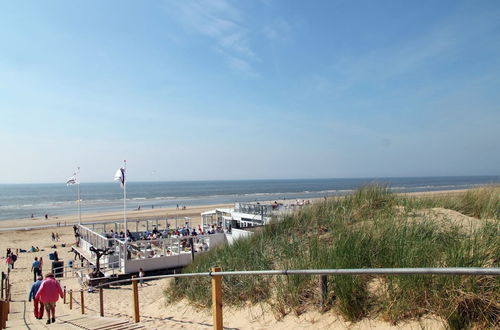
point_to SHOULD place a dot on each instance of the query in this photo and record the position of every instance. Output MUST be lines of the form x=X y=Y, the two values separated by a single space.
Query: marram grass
x=371 y=228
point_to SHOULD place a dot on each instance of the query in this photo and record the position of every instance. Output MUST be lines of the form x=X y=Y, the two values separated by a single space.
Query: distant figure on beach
x=141 y=275
x=8 y=252
x=37 y=304
x=56 y=257
x=57 y=237
x=35 y=268
x=49 y=292
x=32 y=215
x=46 y=216
x=14 y=259
x=9 y=262
x=177 y=206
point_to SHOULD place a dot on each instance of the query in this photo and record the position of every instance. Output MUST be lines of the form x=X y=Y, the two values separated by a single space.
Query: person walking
x=48 y=293
x=9 y=262
x=14 y=259
x=37 y=305
x=36 y=269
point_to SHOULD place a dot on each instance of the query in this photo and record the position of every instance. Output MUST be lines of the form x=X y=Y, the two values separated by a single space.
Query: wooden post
x=323 y=288
x=64 y=296
x=217 y=299
x=101 y=301
x=1 y=285
x=135 y=291
x=3 y=313
x=82 y=302
x=70 y=299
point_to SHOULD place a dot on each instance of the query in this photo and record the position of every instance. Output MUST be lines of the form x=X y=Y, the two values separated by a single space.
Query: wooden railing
x=216 y=274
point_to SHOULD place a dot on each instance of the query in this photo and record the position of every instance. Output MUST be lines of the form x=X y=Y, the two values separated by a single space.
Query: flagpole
x=125 y=197
x=79 y=201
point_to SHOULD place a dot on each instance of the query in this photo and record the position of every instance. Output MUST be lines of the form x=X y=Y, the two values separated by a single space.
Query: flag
x=72 y=180
x=120 y=175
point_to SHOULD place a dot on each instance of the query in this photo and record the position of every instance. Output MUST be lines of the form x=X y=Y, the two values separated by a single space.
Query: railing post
x=82 y=302
x=101 y=301
x=217 y=299
x=1 y=285
x=3 y=313
x=64 y=296
x=323 y=288
x=135 y=291
x=70 y=299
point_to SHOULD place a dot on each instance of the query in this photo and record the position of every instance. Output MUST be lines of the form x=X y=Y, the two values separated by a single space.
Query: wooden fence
x=216 y=274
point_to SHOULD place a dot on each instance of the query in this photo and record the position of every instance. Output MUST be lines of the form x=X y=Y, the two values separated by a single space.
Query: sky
x=223 y=90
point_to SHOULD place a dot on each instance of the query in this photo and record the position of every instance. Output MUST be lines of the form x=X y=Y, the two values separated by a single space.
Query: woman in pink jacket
x=48 y=293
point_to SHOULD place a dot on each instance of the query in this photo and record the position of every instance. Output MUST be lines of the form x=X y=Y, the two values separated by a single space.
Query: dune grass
x=368 y=229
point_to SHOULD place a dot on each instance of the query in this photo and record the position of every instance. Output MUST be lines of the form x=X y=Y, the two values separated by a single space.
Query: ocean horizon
x=18 y=201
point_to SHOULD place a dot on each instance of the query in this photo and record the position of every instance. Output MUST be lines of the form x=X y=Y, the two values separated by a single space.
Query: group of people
x=55 y=237
x=45 y=293
x=10 y=259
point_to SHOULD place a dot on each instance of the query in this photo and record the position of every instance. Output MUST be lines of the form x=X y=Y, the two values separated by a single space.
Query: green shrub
x=365 y=230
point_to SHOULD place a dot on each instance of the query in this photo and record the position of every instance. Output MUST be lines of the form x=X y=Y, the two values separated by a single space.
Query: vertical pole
x=1 y=285
x=323 y=288
x=79 y=204
x=64 y=296
x=3 y=323
x=125 y=197
x=217 y=299
x=82 y=302
x=191 y=242
x=70 y=299
x=101 y=301
x=135 y=290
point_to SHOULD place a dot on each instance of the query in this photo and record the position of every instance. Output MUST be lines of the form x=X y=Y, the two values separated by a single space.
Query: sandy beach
x=154 y=311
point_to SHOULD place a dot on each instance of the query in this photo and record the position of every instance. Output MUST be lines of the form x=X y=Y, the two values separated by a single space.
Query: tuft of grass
x=365 y=230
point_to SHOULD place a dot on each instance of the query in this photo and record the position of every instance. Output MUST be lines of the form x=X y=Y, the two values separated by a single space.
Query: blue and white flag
x=120 y=175
x=72 y=180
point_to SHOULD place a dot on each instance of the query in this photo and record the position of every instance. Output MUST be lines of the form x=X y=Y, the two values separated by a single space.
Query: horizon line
x=277 y=179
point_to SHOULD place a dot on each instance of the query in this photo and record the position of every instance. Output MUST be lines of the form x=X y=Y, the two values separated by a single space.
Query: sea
x=18 y=201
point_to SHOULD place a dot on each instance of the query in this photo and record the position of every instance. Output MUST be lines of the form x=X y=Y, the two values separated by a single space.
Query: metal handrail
x=473 y=271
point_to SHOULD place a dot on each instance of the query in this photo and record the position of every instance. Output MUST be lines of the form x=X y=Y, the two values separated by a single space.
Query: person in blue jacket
x=37 y=305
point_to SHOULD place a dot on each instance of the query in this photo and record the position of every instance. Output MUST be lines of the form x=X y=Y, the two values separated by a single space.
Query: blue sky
x=221 y=89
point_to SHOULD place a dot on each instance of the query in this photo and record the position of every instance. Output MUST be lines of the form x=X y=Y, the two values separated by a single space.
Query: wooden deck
x=98 y=323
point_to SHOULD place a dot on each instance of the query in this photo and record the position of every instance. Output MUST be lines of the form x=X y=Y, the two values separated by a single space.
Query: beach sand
x=155 y=314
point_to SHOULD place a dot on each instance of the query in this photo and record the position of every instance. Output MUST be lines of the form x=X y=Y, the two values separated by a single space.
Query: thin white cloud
x=222 y=22
x=279 y=29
